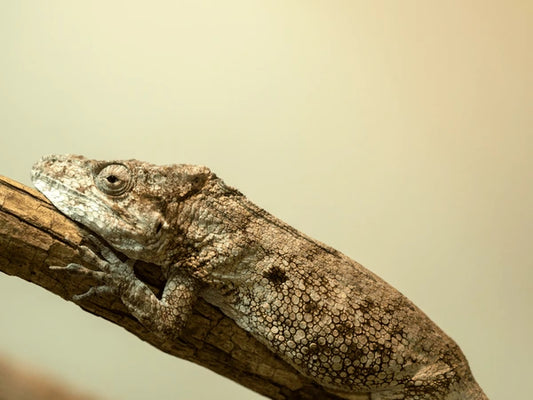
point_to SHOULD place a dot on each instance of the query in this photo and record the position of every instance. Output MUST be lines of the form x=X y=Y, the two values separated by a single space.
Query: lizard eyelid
x=114 y=179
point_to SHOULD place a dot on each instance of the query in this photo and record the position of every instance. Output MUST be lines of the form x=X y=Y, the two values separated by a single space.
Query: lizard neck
x=212 y=227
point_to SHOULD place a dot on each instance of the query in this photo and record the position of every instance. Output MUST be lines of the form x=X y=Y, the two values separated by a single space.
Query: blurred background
x=397 y=132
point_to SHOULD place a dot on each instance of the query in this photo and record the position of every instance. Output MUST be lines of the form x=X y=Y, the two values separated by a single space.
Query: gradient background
x=399 y=132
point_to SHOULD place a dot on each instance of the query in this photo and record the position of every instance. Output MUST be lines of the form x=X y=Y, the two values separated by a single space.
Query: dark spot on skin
x=397 y=330
x=345 y=328
x=367 y=305
x=310 y=306
x=275 y=275
x=316 y=348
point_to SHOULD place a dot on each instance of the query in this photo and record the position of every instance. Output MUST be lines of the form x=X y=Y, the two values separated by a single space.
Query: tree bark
x=34 y=235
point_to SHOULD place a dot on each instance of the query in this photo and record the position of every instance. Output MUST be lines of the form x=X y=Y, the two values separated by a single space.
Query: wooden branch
x=34 y=235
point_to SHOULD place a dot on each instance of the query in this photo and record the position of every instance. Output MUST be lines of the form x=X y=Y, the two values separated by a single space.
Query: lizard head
x=127 y=203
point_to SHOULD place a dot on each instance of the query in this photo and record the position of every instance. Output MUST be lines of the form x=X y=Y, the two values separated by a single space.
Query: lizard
x=329 y=317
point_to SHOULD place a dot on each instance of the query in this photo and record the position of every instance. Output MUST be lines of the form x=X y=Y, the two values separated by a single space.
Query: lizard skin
x=332 y=319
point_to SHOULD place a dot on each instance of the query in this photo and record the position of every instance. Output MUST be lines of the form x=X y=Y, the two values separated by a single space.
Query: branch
x=34 y=235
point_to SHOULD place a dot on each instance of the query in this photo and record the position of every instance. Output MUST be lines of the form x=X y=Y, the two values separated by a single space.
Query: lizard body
x=328 y=316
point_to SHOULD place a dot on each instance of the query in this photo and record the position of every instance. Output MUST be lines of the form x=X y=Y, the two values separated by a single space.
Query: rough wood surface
x=33 y=235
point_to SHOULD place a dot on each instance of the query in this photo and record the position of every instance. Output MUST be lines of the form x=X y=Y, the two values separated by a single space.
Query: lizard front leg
x=164 y=317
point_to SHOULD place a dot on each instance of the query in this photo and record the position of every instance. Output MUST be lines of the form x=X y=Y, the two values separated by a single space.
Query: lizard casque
x=333 y=320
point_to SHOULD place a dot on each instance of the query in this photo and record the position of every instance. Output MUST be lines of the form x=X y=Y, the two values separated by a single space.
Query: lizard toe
x=103 y=290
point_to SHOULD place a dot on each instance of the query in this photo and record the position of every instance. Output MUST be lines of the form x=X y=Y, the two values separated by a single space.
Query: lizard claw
x=79 y=269
x=95 y=290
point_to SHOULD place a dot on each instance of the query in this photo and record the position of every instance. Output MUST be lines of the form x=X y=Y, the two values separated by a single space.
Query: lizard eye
x=114 y=179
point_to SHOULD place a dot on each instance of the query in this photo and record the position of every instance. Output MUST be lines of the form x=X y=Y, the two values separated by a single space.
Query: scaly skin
x=328 y=316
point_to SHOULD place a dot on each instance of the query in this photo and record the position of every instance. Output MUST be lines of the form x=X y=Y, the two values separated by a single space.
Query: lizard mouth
x=59 y=194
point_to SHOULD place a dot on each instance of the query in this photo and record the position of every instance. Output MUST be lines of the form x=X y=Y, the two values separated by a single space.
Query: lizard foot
x=165 y=317
x=111 y=270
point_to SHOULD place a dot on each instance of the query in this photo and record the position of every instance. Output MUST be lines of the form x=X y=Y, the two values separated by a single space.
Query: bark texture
x=34 y=235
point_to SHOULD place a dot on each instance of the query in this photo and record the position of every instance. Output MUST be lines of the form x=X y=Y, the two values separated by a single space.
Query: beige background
x=399 y=132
